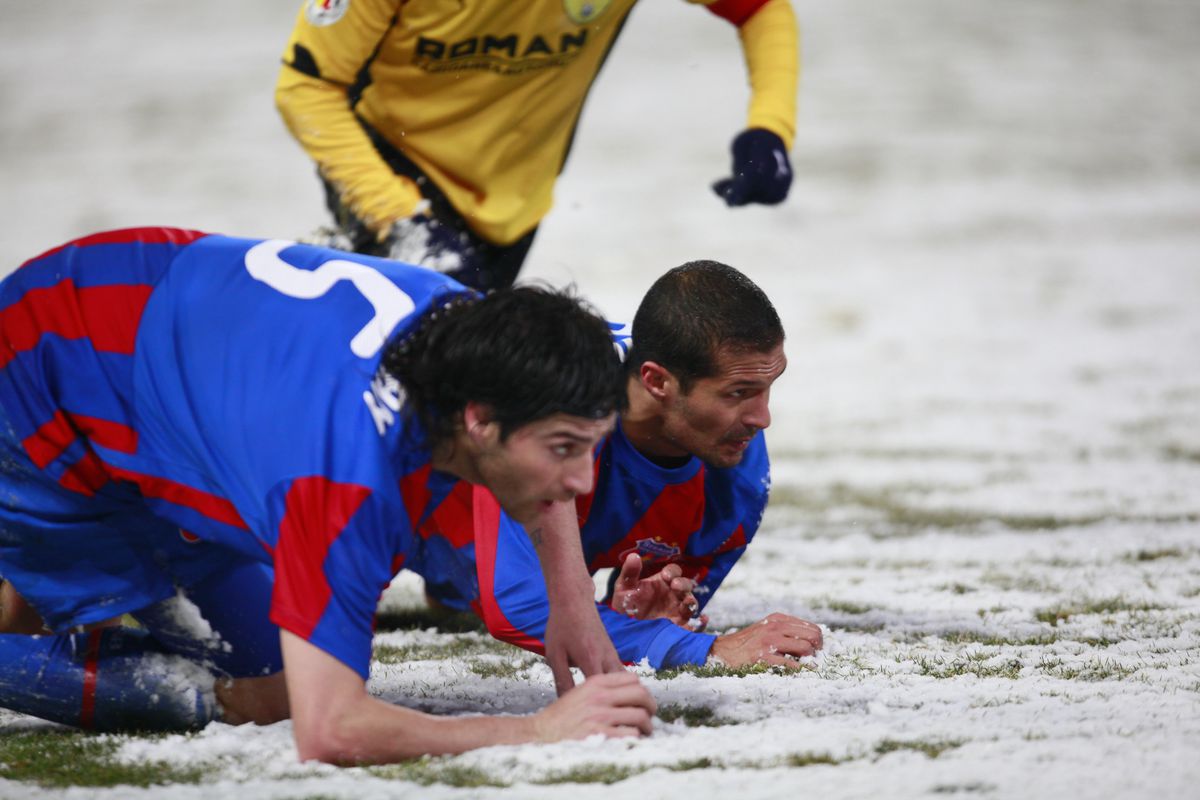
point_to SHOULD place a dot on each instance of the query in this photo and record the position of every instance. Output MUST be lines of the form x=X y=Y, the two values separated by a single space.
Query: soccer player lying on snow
x=680 y=488
x=220 y=436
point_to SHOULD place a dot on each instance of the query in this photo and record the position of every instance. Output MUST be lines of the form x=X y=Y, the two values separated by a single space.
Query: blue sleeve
x=516 y=608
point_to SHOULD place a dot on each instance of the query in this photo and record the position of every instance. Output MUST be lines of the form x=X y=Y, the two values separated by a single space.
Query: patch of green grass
x=969 y=664
x=810 y=759
x=1008 y=582
x=590 y=773
x=964 y=788
x=846 y=606
x=692 y=716
x=419 y=619
x=1098 y=669
x=60 y=758
x=429 y=770
x=499 y=668
x=1155 y=555
x=906 y=516
x=1038 y=639
x=1105 y=605
x=997 y=639
x=696 y=763
x=931 y=748
x=1175 y=452
x=720 y=671
x=893 y=512
x=458 y=647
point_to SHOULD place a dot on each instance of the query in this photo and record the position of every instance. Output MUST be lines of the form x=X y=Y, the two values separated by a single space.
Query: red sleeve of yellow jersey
x=771 y=44
x=736 y=11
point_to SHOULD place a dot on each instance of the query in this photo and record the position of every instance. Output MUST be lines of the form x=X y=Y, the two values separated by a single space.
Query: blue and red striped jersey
x=232 y=387
x=473 y=556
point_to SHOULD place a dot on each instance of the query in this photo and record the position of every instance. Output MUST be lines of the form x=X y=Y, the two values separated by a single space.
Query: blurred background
x=991 y=250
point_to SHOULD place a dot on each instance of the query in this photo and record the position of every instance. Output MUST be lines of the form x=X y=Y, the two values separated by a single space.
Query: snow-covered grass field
x=986 y=446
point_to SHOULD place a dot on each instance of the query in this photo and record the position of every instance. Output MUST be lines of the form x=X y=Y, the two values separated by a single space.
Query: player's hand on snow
x=613 y=705
x=762 y=172
x=777 y=640
x=664 y=595
x=575 y=636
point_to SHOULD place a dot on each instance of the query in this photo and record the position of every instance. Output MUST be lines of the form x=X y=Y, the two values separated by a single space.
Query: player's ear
x=478 y=422
x=657 y=380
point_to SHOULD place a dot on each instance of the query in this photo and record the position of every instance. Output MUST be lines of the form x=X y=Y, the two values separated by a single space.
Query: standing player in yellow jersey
x=440 y=126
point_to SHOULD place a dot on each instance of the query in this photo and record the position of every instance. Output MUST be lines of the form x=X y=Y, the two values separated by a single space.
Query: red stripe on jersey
x=414 y=491
x=87 y=704
x=316 y=510
x=452 y=519
x=127 y=236
x=736 y=539
x=666 y=526
x=85 y=476
x=106 y=433
x=486 y=513
x=50 y=440
x=736 y=11
x=108 y=315
x=210 y=505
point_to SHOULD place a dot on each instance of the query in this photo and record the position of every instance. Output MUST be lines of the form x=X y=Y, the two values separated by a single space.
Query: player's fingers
x=625 y=732
x=560 y=668
x=632 y=696
x=632 y=718
x=670 y=572
x=683 y=585
x=776 y=660
x=611 y=663
x=795 y=627
x=631 y=572
x=798 y=648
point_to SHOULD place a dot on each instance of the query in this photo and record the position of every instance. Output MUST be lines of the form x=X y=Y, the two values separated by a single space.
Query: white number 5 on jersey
x=391 y=304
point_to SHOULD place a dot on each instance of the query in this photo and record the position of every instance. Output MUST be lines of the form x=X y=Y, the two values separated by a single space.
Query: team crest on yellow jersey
x=325 y=12
x=584 y=11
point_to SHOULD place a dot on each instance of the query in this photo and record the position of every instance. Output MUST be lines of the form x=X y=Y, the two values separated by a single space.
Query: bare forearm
x=556 y=539
x=336 y=721
x=372 y=731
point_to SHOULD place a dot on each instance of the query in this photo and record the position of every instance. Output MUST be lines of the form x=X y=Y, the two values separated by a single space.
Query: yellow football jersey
x=483 y=95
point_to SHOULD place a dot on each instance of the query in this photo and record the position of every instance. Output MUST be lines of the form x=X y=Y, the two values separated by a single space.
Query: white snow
x=989 y=270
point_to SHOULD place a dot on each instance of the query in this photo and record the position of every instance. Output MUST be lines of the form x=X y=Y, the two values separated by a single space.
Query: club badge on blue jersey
x=652 y=550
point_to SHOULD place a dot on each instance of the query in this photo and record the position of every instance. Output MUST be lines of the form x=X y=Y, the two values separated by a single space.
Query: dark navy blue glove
x=761 y=170
x=428 y=242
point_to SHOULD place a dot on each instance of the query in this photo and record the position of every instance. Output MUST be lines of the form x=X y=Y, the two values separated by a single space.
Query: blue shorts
x=79 y=559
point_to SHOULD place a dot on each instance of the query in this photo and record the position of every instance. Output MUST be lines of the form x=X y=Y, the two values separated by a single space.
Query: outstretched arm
x=770 y=39
x=336 y=721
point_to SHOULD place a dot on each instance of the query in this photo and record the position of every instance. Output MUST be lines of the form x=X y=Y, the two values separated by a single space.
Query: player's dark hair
x=693 y=311
x=526 y=352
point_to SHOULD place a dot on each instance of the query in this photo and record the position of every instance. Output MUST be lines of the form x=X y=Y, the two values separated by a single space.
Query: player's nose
x=758 y=412
x=577 y=479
